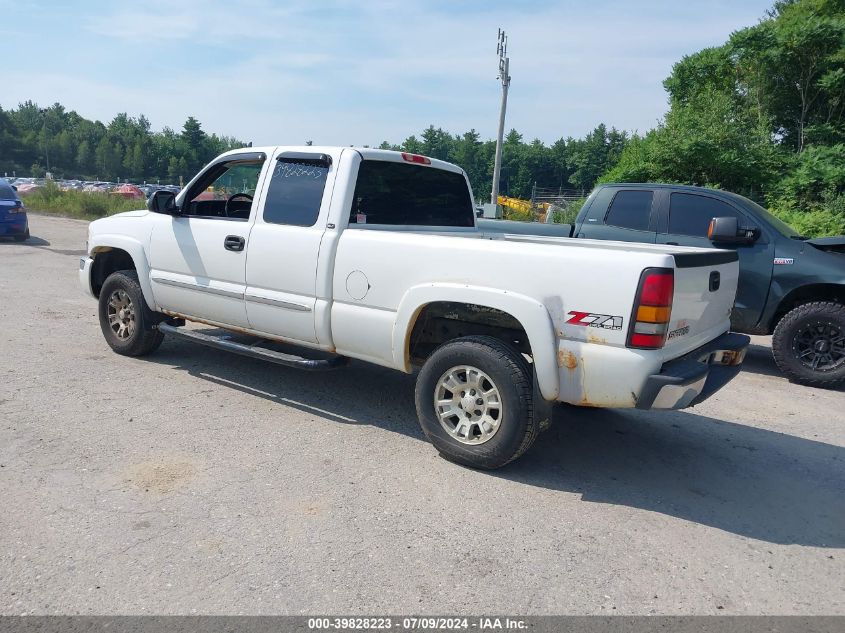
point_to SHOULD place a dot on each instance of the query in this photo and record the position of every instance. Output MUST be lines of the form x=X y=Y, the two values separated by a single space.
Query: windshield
x=779 y=225
x=6 y=192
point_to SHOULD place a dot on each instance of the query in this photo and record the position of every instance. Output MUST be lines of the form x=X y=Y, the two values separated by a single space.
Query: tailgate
x=705 y=289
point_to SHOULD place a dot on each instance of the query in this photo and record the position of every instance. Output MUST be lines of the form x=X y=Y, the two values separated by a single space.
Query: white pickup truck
x=374 y=255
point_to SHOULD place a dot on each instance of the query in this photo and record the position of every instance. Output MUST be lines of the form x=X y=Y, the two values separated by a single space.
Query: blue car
x=13 y=221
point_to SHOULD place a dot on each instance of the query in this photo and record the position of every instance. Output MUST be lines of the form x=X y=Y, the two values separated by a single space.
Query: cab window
x=398 y=193
x=690 y=214
x=296 y=190
x=630 y=209
x=225 y=191
x=6 y=191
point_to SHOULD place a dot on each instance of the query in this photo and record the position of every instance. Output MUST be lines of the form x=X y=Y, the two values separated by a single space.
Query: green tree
x=468 y=152
x=592 y=156
x=412 y=145
x=83 y=158
x=436 y=143
x=108 y=158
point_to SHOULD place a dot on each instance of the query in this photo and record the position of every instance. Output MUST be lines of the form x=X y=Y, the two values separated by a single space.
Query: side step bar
x=289 y=360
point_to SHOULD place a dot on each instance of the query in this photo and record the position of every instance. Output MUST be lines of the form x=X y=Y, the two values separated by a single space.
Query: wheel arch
x=120 y=253
x=532 y=317
x=806 y=294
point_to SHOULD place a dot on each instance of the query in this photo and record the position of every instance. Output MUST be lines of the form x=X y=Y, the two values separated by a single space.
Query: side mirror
x=162 y=201
x=727 y=231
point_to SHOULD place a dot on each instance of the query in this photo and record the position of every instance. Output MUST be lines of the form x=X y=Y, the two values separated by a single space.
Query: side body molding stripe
x=190 y=286
x=234 y=295
x=279 y=304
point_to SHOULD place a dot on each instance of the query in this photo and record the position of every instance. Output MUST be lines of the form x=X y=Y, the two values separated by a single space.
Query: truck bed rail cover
x=706 y=258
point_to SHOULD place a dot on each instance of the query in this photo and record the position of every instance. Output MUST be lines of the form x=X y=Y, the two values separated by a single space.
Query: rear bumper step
x=694 y=377
x=280 y=358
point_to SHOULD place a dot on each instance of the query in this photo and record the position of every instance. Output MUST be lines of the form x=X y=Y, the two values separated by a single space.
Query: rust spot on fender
x=567 y=359
x=598 y=340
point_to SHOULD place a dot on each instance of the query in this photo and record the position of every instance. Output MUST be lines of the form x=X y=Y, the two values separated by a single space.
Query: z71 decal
x=588 y=319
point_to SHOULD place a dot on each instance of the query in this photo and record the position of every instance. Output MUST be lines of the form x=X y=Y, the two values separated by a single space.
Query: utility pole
x=504 y=76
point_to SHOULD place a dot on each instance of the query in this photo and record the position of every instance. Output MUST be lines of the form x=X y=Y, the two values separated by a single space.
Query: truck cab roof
x=367 y=153
x=718 y=193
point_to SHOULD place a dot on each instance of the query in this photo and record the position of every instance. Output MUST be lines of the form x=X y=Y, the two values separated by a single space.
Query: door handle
x=671 y=243
x=234 y=243
x=715 y=281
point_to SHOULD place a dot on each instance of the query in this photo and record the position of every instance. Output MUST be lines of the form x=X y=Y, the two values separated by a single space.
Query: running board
x=289 y=360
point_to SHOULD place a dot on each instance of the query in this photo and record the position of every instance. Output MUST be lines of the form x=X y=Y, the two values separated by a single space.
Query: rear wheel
x=474 y=402
x=809 y=344
x=126 y=321
x=22 y=238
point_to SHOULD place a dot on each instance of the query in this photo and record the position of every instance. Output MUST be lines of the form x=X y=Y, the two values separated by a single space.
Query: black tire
x=22 y=238
x=139 y=339
x=818 y=326
x=510 y=375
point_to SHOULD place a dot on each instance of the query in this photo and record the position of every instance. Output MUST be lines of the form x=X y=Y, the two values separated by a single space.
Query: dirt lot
x=193 y=481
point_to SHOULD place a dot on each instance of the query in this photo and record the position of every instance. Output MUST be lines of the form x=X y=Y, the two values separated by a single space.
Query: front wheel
x=474 y=402
x=809 y=344
x=125 y=319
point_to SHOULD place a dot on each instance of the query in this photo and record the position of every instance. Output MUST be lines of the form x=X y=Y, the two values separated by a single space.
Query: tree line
x=566 y=164
x=35 y=140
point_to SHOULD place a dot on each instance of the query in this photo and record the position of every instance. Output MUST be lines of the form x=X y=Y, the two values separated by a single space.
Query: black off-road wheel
x=475 y=402
x=126 y=321
x=809 y=344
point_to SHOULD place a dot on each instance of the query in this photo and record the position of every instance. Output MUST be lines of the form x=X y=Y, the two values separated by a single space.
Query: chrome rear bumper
x=694 y=377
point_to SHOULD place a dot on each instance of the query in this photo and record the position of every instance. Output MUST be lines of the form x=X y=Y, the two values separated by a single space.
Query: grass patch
x=567 y=213
x=78 y=204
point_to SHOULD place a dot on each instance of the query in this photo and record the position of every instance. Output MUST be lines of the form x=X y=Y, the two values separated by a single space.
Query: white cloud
x=361 y=72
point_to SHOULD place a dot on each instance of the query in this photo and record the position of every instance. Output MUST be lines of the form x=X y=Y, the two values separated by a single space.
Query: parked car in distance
x=375 y=255
x=789 y=286
x=13 y=219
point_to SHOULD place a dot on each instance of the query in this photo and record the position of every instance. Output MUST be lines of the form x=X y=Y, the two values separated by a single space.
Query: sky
x=341 y=73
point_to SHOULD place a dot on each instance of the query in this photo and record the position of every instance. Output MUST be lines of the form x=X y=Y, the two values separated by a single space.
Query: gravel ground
x=193 y=481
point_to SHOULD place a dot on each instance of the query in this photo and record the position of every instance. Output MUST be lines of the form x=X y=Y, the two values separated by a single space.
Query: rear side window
x=6 y=192
x=630 y=210
x=398 y=193
x=296 y=191
x=690 y=214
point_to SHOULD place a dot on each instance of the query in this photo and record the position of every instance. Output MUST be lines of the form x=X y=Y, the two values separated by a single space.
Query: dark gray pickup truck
x=789 y=286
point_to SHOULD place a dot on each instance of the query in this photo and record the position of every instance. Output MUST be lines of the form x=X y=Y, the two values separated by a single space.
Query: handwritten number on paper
x=298 y=170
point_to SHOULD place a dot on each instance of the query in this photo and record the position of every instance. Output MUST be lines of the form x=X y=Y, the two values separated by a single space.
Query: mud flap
x=542 y=408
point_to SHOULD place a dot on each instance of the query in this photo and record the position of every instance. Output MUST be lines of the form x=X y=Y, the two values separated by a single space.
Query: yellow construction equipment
x=524 y=206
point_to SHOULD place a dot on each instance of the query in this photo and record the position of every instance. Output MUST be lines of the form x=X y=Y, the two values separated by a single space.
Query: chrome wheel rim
x=468 y=405
x=121 y=315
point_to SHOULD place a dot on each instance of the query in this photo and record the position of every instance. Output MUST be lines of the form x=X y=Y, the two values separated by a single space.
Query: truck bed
x=524 y=228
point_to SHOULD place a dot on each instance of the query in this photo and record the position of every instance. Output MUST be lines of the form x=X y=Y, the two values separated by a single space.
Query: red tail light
x=416 y=158
x=653 y=309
